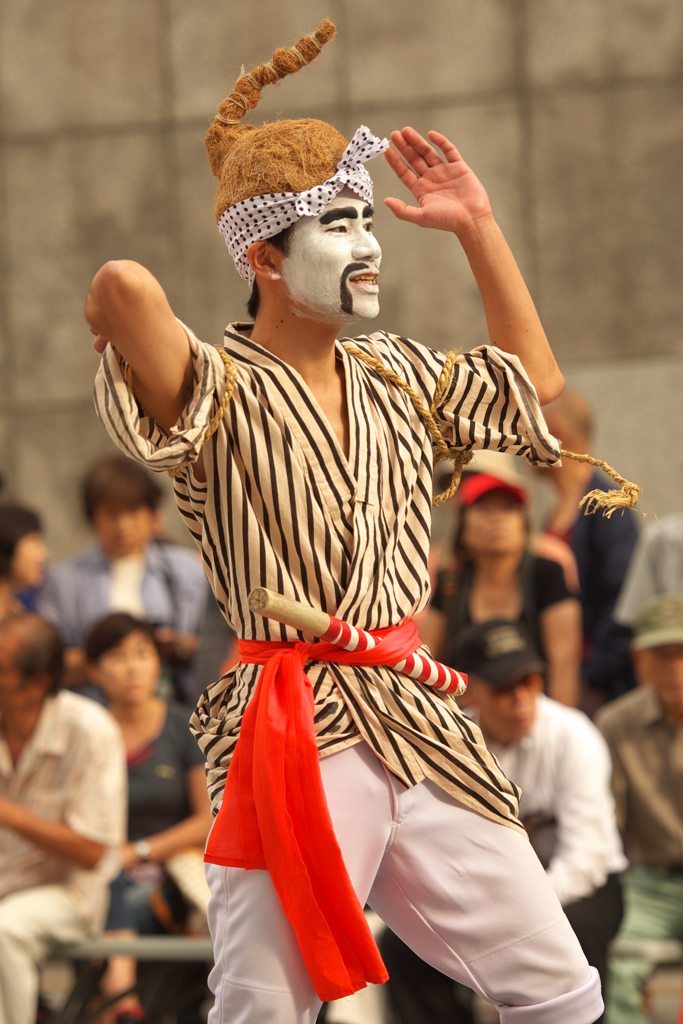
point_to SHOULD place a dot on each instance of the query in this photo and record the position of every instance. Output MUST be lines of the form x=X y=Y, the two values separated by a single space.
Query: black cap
x=499 y=652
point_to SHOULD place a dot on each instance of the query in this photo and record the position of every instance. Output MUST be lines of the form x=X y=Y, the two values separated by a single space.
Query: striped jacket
x=284 y=508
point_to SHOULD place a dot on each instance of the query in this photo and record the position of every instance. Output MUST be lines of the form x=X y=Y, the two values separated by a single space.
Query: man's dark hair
x=40 y=649
x=119 y=481
x=15 y=523
x=281 y=242
x=110 y=631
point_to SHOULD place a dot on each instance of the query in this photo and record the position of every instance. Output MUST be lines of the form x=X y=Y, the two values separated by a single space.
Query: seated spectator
x=644 y=730
x=603 y=549
x=23 y=557
x=62 y=807
x=168 y=805
x=562 y=764
x=493 y=575
x=128 y=571
x=655 y=568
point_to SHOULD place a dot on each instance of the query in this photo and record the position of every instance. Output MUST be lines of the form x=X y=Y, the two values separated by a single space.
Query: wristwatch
x=143 y=849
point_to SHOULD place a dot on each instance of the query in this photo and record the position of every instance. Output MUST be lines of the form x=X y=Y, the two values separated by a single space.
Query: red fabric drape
x=275 y=817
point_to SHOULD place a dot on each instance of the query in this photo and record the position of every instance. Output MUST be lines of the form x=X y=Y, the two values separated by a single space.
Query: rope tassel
x=608 y=501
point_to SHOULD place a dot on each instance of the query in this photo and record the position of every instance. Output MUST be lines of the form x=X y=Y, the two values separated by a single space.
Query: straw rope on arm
x=608 y=501
x=230 y=378
x=458 y=456
x=442 y=450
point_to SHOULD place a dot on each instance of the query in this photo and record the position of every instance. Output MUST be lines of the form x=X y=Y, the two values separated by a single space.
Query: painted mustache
x=345 y=297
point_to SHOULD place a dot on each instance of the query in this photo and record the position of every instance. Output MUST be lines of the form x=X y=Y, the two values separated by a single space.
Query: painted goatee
x=345 y=295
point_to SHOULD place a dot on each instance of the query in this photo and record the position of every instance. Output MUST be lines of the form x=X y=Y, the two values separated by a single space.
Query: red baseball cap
x=481 y=483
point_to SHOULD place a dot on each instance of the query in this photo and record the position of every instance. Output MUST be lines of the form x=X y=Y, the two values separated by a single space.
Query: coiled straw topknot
x=232 y=144
x=247 y=92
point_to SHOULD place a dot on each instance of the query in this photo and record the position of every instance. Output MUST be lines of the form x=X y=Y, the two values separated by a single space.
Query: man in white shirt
x=62 y=810
x=562 y=764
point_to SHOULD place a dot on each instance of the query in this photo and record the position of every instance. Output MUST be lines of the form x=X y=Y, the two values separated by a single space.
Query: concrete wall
x=571 y=112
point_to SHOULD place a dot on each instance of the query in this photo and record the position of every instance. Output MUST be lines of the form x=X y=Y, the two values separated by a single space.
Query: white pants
x=32 y=923
x=468 y=895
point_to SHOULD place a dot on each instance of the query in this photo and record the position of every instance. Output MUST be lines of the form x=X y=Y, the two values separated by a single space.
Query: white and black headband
x=265 y=216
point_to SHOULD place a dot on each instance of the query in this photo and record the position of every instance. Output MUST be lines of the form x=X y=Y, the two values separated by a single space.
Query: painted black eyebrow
x=346 y=213
x=342 y=213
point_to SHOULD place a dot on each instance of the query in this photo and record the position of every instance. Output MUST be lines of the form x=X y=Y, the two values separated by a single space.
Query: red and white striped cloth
x=416 y=666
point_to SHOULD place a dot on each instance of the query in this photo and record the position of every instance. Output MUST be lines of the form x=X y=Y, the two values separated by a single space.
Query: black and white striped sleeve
x=140 y=436
x=491 y=403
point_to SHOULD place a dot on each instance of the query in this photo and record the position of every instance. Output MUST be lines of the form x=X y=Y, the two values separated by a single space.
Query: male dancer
x=304 y=465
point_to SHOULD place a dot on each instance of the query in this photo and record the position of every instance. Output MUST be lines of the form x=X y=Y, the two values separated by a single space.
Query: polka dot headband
x=265 y=216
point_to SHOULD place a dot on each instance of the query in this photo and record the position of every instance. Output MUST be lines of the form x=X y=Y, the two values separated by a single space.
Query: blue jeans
x=130 y=905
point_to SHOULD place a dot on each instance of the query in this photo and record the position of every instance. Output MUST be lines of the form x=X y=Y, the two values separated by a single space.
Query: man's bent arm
x=451 y=198
x=513 y=323
x=54 y=837
x=128 y=308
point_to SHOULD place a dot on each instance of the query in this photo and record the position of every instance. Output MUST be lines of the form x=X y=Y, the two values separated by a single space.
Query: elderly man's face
x=16 y=693
x=662 y=668
x=332 y=264
x=10 y=675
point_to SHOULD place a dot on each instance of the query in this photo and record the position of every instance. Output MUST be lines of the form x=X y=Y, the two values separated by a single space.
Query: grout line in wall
x=536 y=93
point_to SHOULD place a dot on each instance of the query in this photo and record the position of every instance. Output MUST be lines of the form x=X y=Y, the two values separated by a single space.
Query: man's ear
x=265 y=260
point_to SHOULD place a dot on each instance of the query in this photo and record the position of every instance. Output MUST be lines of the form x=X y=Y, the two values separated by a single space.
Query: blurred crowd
x=104 y=811
x=571 y=631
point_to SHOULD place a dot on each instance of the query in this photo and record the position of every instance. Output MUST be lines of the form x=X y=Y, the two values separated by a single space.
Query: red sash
x=275 y=817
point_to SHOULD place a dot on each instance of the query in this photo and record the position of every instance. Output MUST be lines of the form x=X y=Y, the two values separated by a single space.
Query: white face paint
x=332 y=265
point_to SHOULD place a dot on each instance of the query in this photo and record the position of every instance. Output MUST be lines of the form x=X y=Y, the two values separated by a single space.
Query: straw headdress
x=283 y=156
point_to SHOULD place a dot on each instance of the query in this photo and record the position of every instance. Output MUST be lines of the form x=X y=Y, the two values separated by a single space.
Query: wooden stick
x=349 y=638
x=291 y=613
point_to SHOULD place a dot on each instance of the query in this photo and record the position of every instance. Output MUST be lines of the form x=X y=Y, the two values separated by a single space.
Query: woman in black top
x=494 y=576
x=168 y=805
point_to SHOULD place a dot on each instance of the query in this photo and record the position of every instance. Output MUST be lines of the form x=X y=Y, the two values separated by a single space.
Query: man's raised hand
x=450 y=196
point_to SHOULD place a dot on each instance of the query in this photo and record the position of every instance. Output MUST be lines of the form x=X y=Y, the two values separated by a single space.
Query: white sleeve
x=588 y=844
x=97 y=806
